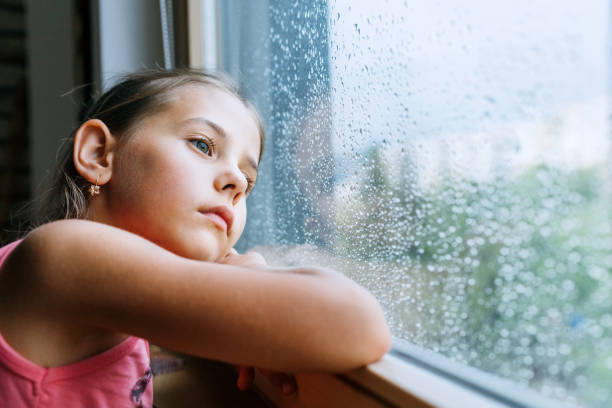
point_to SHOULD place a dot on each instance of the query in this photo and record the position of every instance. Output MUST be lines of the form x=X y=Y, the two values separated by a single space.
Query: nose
x=231 y=181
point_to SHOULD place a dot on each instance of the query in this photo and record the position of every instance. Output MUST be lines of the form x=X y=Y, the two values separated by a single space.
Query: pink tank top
x=118 y=377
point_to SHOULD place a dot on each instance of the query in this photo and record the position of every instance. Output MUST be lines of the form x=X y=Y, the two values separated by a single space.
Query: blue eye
x=206 y=146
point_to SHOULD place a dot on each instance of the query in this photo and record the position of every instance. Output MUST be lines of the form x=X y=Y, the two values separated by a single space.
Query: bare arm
x=303 y=320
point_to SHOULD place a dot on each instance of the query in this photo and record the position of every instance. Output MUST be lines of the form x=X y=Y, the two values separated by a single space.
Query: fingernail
x=288 y=388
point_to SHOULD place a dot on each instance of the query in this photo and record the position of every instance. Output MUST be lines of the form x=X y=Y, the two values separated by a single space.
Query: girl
x=148 y=204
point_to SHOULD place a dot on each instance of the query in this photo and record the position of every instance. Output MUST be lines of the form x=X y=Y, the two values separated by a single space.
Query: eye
x=205 y=145
x=250 y=184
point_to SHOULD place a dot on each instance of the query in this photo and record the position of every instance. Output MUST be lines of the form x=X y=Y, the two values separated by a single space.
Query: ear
x=93 y=151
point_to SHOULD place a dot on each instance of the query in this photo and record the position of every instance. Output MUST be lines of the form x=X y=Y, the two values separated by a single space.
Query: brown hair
x=135 y=97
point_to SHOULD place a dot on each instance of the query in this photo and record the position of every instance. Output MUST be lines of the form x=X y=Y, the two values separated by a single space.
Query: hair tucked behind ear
x=137 y=96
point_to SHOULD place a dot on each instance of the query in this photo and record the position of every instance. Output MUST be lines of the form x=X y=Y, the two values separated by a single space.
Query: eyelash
x=212 y=149
x=209 y=142
x=250 y=184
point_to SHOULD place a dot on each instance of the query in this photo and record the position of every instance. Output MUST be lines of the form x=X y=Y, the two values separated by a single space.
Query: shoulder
x=65 y=231
x=51 y=246
x=41 y=307
x=64 y=255
x=72 y=240
x=78 y=269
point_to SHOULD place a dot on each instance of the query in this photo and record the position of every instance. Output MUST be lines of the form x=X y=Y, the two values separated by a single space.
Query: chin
x=190 y=250
x=205 y=254
x=196 y=245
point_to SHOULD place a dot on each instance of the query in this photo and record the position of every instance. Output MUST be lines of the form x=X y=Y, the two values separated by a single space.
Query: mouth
x=221 y=216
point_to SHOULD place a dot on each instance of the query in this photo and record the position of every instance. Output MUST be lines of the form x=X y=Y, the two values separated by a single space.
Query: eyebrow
x=221 y=132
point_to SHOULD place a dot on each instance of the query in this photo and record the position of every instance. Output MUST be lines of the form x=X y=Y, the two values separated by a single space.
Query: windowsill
x=406 y=377
x=202 y=383
x=389 y=382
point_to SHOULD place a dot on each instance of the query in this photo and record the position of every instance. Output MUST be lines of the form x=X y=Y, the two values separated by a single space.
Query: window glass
x=452 y=157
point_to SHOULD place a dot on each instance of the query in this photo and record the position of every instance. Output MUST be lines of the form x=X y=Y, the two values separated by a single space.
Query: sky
x=474 y=71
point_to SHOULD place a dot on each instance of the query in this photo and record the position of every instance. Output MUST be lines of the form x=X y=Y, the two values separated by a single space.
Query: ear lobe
x=93 y=151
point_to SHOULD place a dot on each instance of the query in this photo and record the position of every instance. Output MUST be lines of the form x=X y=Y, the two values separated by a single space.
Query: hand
x=285 y=383
x=248 y=259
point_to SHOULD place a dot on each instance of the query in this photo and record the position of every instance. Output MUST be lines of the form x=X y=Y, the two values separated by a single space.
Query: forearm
x=307 y=319
x=297 y=321
x=359 y=334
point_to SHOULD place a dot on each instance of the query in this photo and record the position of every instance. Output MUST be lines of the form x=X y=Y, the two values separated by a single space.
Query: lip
x=222 y=216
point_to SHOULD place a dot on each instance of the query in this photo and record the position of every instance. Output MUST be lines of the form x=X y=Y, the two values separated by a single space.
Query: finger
x=284 y=382
x=232 y=252
x=289 y=386
x=253 y=259
x=245 y=377
x=257 y=257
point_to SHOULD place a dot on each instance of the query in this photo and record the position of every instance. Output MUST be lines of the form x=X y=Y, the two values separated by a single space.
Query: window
x=454 y=158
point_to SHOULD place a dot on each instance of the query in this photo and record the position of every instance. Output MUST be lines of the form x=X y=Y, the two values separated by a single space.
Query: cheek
x=240 y=214
x=147 y=178
x=171 y=183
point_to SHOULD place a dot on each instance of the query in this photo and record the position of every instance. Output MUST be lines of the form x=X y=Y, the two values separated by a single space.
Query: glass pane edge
x=489 y=385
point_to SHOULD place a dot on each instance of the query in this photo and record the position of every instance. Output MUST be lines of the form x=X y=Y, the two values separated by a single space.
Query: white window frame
x=405 y=377
x=204 y=41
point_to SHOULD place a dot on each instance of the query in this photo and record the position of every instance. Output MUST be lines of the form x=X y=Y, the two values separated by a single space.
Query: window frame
x=406 y=376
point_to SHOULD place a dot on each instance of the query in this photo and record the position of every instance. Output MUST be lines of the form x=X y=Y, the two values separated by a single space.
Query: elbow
x=371 y=337
x=349 y=331
x=378 y=341
x=381 y=344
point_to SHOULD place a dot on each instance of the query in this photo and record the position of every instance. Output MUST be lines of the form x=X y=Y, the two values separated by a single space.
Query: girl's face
x=182 y=177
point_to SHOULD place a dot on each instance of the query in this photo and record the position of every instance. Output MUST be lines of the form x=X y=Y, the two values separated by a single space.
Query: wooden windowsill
x=406 y=377
x=389 y=382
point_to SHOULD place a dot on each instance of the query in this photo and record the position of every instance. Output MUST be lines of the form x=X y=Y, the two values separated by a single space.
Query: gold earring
x=94 y=190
